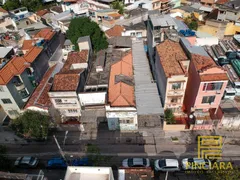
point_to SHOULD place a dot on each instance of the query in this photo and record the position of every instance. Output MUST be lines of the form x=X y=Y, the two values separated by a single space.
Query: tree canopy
x=32 y=124
x=11 y=5
x=118 y=5
x=83 y=26
x=191 y=23
x=169 y=116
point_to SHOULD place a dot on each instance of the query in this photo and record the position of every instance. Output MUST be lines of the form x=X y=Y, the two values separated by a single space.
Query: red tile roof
x=32 y=54
x=222 y=1
x=14 y=67
x=40 y=97
x=68 y=79
x=202 y=63
x=66 y=82
x=28 y=44
x=2 y=10
x=46 y=33
x=121 y=94
x=42 y=12
x=114 y=31
x=214 y=77
x=171 y=54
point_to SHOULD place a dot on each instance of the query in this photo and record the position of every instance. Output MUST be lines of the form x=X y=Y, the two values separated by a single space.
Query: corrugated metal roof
x=146 y=93
x=162 y=20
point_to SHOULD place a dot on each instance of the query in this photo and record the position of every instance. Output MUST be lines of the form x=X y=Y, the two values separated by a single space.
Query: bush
x=169 y=116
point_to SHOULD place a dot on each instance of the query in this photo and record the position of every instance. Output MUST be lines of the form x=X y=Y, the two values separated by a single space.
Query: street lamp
x=65 y=137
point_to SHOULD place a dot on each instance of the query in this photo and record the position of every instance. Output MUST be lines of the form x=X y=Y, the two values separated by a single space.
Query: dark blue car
x=80 y=162
x=58 y=163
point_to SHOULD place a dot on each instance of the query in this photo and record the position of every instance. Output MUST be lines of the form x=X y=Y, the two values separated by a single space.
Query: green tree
x=32 y=5
x=233 y=174
x=169 y=116
x=191 y=23
x=118 y=5
x=5 y=163
x=11 y=4
x=83 y=26
x=32 y=124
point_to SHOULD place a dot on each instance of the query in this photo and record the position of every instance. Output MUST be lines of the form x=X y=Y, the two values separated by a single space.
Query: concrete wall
x=161 y=79
x=128 y=33
x=173 y=127
x=5 y=94
x=228 y=15
x=92 y=98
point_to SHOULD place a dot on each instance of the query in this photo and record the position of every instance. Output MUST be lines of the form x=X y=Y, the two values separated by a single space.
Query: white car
x=136 y=162
x=166 y=165
x=196 y=163
x=26 y=162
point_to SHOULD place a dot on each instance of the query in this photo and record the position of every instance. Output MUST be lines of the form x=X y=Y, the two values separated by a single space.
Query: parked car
x=196 y=163
x=136 y=162
x=26 y=162
x=80 y=162
x=57 y=163
x=166 y=165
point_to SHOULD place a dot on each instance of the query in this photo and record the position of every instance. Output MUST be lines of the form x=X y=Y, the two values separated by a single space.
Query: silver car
x=166 y=165
x=196 y=163
x=136 y=162
x=26 y=162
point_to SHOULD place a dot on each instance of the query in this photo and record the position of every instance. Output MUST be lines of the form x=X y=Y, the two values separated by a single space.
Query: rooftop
x=66 y=82
x=57 y=9
x=32 y=54
x=115 y=31
x=146 y=92
x=88 y=173
x=68 y=42
x=121 y=93
x=42 y=12
x=46 y=33
x=121 y=41
x=231 y=5
x=135 y=173
x=138 y=26
x=136 y=12
x=83 y=39
x=4 y=51
x=28 y=44
x=162 y=20
x=202 y=63
x=171 y=54
x=40 y=97
x=13 y=67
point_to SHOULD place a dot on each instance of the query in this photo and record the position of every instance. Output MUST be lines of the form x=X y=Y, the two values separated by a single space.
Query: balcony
x=19 y=86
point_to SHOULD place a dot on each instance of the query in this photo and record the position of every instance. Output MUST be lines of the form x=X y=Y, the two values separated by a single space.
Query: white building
x=89 y=173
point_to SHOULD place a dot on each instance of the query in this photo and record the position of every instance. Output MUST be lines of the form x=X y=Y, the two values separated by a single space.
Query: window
x=139 y=34
x=212 y=86
x=13 y=112
x=72 y=110
x=58 y=101
x=6 y=101
x=126 y=121
x=176 y=85
x=24 y=93
x=174 y=100
x=132 y=34
x=208 y=99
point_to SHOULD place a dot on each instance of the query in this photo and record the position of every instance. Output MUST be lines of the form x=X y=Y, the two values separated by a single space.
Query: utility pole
x=59 y=148
x=166 y=177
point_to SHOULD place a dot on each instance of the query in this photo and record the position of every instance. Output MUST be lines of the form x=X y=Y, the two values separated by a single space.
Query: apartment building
x=6 y=22
x=171 y=65
x=20 y=75
x=70 y=81
x=205 y=89
x=229 y=11
x=162 y=5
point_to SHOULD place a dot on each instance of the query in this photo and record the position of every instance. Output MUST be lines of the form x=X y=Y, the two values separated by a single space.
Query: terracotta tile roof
x=57 y=9
x=32 y=54
x=114 y=31
x=28 y=44
x=171 y=54
x=42 y=12
x=222 y=1
x=65 y=82
x=14 y=67
x=68 y=79
x=214 y=77
x=121 y=94
x=46 y=33
x=73 y=58
x=115 y=15
x=202 y=63
x=3 y=10
x=40 y=97
x=208 y=1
